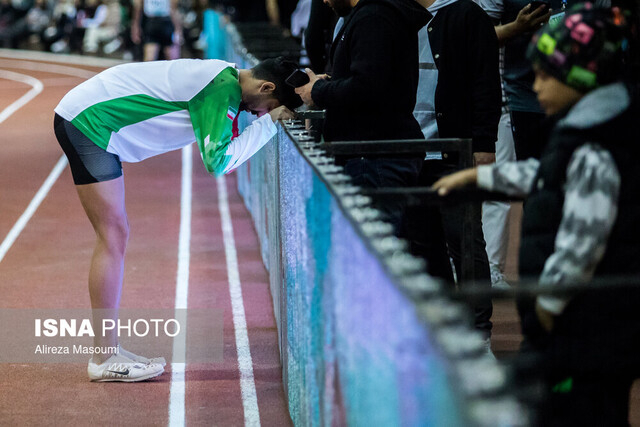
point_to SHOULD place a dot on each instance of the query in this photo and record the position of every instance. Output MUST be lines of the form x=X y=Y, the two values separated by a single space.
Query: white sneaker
x=120 y=368
x=112 y=46
x=497 y=279
x=487 y=349
x=141 y=359
x=60 y=47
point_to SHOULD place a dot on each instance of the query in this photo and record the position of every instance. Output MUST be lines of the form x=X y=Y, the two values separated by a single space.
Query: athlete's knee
x=114 y=232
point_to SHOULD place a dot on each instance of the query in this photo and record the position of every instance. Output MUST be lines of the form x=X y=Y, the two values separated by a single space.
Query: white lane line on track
x=47 y=68
x=33 y=55
x=177 y=391
x=33 y=206
x=245 y=363
x=36 y=88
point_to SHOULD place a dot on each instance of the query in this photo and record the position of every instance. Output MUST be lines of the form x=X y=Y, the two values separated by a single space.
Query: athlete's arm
x=98 y=18
x=254 y=137
x=249 y=142
x=176 y=19
x=136 y=36
x=213 y=111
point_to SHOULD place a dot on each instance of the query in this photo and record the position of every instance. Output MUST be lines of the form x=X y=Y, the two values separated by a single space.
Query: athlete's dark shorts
x=158 y=30
x=89 y=163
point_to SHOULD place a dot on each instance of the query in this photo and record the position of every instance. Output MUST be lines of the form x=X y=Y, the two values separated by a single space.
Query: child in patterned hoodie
x=580 y=218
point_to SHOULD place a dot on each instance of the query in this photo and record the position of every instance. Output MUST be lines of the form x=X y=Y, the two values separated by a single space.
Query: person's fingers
x=441 y=186
x=538 y=10
x=310 y=73
x=454 y=181
x=283 y=113
x=539 y=15
x=443 y=191
x=539 y=22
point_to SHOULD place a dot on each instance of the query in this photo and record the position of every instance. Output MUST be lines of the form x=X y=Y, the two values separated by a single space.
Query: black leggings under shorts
x=88 y=162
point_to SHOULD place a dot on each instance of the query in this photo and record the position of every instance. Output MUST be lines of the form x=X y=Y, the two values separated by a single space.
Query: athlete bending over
x=134 y=111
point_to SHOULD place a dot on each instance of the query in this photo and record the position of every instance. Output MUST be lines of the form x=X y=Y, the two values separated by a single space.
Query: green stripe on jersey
x=100 y=120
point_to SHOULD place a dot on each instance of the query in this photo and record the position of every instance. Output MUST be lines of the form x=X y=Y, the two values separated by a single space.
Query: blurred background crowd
x=100 y=27
x=104 y=27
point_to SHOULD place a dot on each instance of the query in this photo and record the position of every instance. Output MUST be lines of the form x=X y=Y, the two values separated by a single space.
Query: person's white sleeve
x=98 y=18
x=250 y=141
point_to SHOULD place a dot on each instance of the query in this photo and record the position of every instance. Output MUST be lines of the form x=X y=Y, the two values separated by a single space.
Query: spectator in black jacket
x=319 y=35
x=372 y=90
x=460 y=84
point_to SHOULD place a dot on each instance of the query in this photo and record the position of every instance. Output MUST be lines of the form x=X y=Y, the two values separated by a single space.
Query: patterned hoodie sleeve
x=512 y=178
x=589 y=213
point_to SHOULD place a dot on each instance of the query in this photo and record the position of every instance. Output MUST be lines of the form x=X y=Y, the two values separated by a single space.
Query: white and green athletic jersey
x=139 y=110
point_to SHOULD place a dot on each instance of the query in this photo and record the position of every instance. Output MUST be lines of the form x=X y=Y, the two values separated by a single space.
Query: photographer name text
x=75 y=349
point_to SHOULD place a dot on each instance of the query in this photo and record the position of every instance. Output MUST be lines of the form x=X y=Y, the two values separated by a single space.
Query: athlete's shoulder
x=185 y=67
x=210 y=67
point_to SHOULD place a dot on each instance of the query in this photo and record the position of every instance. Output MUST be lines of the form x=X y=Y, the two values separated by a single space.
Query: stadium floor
x=47 y=265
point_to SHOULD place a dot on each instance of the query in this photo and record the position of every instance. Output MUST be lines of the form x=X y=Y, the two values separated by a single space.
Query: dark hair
x=276 y=70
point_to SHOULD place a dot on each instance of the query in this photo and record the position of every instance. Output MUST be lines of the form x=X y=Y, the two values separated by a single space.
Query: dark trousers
x=437 y=234
x=589 y=360
x=529 y=136
x=380 y=173
x=587 y=401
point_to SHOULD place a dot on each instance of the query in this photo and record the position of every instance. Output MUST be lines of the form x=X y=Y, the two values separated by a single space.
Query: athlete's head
x=264 y=87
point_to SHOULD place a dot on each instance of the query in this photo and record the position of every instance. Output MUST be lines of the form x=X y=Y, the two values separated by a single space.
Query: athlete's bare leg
x=104 y=204
x=151 y=51
x=172 y=52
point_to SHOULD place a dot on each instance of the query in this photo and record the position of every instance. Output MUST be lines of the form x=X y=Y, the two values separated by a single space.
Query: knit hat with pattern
x=585 y=49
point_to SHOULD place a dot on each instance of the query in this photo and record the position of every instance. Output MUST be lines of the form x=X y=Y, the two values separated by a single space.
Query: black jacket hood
x=411 y=11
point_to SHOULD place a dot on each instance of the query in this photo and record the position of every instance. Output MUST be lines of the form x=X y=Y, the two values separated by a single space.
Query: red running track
x=47 y=267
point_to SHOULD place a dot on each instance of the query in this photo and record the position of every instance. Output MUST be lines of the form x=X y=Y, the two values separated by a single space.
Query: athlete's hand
x=456 y=180
x=281 y=113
